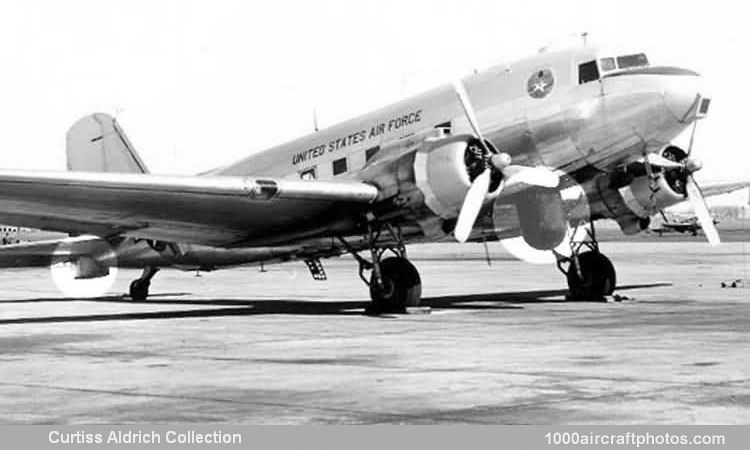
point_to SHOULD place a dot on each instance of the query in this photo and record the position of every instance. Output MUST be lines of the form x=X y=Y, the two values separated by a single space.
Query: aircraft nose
x=682 y=93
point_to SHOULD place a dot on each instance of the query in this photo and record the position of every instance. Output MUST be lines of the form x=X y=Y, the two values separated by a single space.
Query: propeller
x=695 y=196
x=494 y=162
x=656 y=159
x=689 y=166
x=472 y=204
x=701 y=211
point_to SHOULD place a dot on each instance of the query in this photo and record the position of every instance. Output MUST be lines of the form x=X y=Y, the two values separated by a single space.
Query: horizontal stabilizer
x=96 y=143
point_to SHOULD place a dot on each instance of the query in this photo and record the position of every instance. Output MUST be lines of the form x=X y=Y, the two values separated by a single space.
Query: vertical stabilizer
x=97 y=144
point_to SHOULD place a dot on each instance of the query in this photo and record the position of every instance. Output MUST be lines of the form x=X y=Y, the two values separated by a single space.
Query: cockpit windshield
x=590 y=71
x=630 y=61
x=607 y=64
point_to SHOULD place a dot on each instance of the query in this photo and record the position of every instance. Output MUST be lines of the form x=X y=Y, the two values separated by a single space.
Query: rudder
x=96 y=143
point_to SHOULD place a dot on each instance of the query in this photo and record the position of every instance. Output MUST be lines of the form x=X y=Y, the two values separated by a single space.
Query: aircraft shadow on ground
x=241 y=307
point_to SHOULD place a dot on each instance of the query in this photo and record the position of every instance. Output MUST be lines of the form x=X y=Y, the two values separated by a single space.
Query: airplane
x=679 y=225
x=674 y=219
x=15 y=235
x=529 y=150
x=10 y=235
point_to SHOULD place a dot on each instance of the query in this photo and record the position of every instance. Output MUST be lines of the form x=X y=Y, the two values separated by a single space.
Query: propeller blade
x=472 y=204
x=656 y=159
x=701 y=212
x=463 y=98
x=534 y=176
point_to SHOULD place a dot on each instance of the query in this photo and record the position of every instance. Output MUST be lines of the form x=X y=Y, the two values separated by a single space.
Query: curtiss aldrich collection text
x=127 y=437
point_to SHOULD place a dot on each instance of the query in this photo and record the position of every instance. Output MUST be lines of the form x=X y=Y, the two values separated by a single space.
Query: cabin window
x=628 y=61
x=370 y=152
x=339 y=166
x=308 y=174
x=446 y=126
x=607 y=64
x=588 y=72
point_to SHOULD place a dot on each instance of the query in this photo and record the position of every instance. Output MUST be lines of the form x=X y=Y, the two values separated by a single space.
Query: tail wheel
x=597 y=276
x=401 y=287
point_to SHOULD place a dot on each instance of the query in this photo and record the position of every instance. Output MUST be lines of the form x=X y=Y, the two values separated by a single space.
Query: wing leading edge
x=211 y=210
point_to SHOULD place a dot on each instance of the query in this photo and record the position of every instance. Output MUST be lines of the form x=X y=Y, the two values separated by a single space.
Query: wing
x=711 y=189
x=210 y=210
x=43 y=253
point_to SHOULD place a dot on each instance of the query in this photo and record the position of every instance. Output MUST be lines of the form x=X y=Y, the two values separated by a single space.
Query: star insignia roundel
x=540 y=83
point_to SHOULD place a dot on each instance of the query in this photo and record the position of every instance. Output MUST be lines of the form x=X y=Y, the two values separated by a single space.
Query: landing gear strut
x=394 y=281
x=139 y=286
x=591 y=275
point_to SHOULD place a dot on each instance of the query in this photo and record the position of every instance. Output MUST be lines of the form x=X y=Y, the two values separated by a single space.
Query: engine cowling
x=444 y=172
x=645 y=198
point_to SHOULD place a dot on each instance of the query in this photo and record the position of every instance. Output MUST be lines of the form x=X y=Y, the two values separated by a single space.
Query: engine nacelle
x=537 y=214
x=542 y=217
x=630 y=196
x=444 y=172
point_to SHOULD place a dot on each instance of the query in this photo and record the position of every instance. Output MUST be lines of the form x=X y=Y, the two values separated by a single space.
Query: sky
x=198 y=84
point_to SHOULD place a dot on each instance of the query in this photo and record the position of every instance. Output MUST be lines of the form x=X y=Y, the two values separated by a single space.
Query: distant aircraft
x=492 y=156
x=674 y=220
x=9 y=235
x=16 y=235
x=678 y=225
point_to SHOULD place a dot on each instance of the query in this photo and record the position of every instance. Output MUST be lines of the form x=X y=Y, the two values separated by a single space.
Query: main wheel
x=597 y=279
x=401 y=287
x=139 y=289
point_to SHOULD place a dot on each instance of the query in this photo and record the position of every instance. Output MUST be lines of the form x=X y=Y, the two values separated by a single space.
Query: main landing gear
x=591 y=275
x=394 y=282
x=139 y=286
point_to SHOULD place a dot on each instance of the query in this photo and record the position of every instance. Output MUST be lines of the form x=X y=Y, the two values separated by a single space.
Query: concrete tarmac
x=500 y=346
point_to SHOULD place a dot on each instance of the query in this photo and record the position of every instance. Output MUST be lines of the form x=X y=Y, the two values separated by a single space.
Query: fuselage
x=542 y=110
x=569 y=110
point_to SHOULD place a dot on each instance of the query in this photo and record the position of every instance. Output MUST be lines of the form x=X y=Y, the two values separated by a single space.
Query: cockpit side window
x=607 y=64
x=629 y=61
x=588 y=72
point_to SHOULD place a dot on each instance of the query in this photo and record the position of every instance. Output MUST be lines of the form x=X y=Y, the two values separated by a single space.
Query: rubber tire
x=403 y=286
x=599 y=277
x=139 y=290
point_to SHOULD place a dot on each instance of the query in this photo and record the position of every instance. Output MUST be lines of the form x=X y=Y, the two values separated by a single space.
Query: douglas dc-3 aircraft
x=533 y=150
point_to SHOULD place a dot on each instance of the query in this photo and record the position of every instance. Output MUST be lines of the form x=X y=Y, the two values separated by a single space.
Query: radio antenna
x=315 y=118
